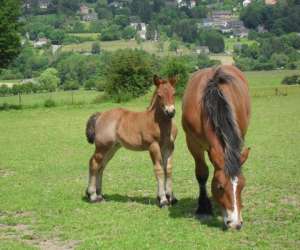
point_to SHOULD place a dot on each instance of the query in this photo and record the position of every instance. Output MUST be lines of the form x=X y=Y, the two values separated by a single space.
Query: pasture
x=43 y=175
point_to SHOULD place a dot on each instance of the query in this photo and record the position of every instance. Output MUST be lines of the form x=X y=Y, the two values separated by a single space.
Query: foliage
x=49 y=79
x=95 y=48
x=288 y=80
x=111 y=33
x=9 y=30
x=279 y=18
x=128 y=74
x=70 y=85
x=49 y=103
x=213 y=39
x=175 y=67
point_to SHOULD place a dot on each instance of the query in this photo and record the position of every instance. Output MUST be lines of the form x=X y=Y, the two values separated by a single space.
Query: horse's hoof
x=98 y=199
x=204 y=208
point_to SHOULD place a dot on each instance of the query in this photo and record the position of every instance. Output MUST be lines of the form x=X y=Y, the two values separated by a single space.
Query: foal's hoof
x=204 y=207
x=172 y=199
x=94 y=198
x=162 y=202
x=98 y=199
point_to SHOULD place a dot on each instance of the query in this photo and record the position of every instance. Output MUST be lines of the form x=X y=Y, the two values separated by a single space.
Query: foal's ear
x=244 y=155
x=173 y=80
x=157 y=81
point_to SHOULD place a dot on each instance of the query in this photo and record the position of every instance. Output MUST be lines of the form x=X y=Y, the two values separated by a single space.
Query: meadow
x=43 y=175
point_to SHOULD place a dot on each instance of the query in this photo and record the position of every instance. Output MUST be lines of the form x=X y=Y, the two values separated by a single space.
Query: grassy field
x=149 y=46
x=43 y=175
x=230 y=42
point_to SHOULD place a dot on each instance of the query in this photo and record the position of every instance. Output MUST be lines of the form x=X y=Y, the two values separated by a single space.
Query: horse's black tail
x=90 y=127
x=222 y=120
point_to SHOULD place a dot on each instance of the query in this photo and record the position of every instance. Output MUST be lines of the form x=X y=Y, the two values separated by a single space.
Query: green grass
x=149 y=46
x=60 y=98
x=43 y=167
x=230 y=43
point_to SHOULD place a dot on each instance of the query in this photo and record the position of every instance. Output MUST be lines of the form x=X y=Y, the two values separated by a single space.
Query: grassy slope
x=43 y=160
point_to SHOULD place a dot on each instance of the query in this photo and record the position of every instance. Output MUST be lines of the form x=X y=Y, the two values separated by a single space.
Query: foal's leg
x=159 y=171
x=201 y=172
x=169 y=185
x=97 y=165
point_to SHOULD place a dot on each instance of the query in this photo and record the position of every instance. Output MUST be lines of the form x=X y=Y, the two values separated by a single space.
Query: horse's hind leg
x=201 y=172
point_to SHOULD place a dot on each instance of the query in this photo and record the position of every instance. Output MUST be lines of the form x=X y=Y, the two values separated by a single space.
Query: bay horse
x=215 y=117
x=153 y=130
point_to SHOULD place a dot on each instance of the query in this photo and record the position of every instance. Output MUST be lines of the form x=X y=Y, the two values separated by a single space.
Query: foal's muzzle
x=170 y=111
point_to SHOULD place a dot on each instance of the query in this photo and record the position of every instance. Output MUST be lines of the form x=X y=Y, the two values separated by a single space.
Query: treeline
x=122 y=74
x=269 y=52
x=280 y=18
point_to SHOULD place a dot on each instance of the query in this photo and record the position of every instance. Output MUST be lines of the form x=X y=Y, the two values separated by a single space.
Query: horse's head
x=227 y=192
x=166 y=95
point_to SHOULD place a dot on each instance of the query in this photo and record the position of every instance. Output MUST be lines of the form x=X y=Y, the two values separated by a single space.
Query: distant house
x=40 y=42
x=90 y=17
x=221 y=15
x=44 y=4
x=184 y=3
x=84 y=10
x=270 y=2
x=141 y=29
x=202 y=50
x=246 y=3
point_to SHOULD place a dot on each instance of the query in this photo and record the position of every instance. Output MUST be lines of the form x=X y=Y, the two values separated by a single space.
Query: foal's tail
x=222 y=120
x=90 y=127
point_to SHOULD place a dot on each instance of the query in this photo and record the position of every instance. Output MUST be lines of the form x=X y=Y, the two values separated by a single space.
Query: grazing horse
x=153 y=130
x=215 y=117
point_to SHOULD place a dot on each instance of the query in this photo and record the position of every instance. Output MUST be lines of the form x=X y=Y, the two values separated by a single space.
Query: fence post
x=20 y=99
x=72 y=94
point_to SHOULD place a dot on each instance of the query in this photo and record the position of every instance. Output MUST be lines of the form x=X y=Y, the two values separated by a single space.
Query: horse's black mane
x=223 y=121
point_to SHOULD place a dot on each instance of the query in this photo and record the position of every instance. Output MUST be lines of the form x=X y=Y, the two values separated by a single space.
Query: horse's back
x=236 y=92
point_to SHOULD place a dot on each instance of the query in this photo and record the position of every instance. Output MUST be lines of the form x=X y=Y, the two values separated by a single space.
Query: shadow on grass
x=185 y=208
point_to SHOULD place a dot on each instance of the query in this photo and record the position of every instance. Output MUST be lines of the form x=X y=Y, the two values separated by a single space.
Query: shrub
x=4 y=90
x=49 y=79
x=177 y=68
x=128 y=74
x=95 y=48
x=49 y=103
x=70 y=85
x=289 y=80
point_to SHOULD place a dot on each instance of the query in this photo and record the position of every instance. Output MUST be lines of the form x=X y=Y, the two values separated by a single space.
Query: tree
x=174 y=45
x=128 y=33
x=213 y=39
x=95 y=48
x=49 y=79
x=128 y=74
x=9 y=31
x=176 y=67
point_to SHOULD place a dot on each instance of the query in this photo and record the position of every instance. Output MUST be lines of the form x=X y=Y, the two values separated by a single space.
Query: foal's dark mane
x=223 y=122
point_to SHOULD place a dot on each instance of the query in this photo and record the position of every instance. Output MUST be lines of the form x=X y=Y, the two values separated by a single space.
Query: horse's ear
x=173 y=80
x=157 y=81
x=244 y=155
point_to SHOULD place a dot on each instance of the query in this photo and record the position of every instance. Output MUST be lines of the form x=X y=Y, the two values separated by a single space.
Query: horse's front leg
x=169 y=184
x=159 y=172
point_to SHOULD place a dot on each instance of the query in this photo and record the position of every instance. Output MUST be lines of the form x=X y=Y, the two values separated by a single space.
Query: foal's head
x=166 y=95
x=227 y=192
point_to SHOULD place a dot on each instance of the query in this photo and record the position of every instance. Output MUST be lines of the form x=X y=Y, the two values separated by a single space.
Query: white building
x=141 y=29
x=246 y=3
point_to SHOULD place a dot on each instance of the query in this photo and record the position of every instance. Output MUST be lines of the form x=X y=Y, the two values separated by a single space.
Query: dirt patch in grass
x=6 y=172
x=23 y=233
x=291 y=200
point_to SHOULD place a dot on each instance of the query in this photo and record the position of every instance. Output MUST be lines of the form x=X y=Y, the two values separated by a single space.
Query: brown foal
x=215 y=117
x=153 y=130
